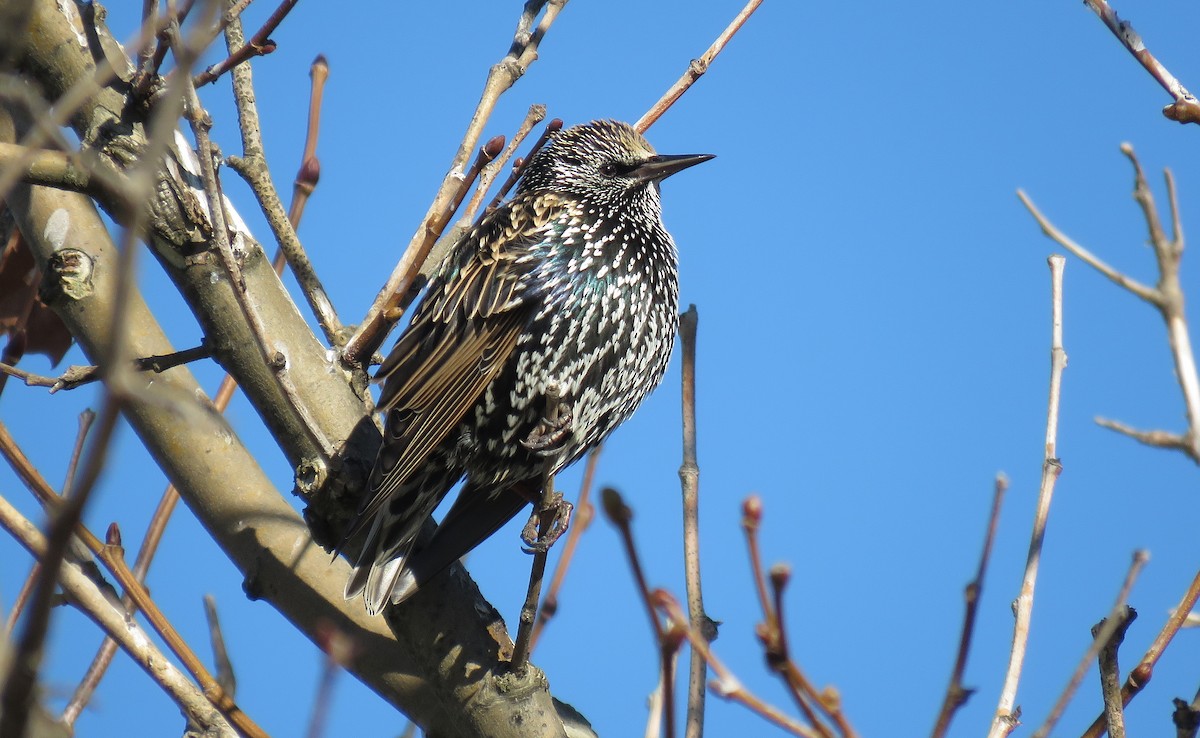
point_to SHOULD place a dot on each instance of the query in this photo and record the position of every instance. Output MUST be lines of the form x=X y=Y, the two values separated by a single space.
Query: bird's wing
x=461 y=336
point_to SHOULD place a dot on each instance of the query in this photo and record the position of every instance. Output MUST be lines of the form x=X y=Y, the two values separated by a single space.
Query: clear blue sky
x=873 y=348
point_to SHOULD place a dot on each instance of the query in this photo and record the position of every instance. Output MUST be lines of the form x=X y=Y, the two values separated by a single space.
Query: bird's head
x=604 y=160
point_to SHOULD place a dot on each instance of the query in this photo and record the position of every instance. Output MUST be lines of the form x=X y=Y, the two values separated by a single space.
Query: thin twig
x=551 y=128
x=1111 y=632
x=259 y=45
x=86 y=419
x=158 y=525
x=585 y=511
x=521 y=647
x=779 y=657
x=112 y=555
x=1167 y=296
x=696 y=69
x=956 y=693
x=815 y=705
x=1141 y=674
x=1169 y=253
x=370 y=334
x=145 y=50
x=96 y=670
x=19 y=603
x=752 y=511
x=77 y=376
x=1149 y=294
x=1185 y=109
x=16 y=694
x=252 y=166
x=621 y=516
x=1099 y=639
x=93 y=602
x=689 y=477
x=309 y=172
x=146 y=79
x=1007 y=714
x=441 y=240
x=725 y=684
x=224 y=667
x=768 y=629
x=535 y=115
x=339 y=650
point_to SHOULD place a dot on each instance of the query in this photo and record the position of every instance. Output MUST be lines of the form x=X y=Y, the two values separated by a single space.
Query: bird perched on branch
x=569 y=286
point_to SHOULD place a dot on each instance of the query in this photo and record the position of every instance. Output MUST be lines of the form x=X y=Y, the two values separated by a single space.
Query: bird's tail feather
x=389 y=543
x=476 y=514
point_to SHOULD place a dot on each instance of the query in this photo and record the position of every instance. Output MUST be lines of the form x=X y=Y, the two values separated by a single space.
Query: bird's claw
x=551 y=436
x=557 y=515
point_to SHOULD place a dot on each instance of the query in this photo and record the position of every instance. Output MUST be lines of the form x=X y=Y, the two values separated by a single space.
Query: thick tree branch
x=219 y=480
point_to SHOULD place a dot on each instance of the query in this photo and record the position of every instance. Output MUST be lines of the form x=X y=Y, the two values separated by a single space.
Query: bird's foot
x=556 y=518
x=551 y=435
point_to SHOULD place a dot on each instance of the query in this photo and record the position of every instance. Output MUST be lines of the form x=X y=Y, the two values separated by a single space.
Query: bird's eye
x=609 y=169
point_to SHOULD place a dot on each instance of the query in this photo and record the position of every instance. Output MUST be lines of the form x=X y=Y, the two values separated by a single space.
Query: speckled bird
x=572 y=282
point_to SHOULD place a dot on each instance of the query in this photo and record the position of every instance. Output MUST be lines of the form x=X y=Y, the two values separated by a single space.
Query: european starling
x=571 y=282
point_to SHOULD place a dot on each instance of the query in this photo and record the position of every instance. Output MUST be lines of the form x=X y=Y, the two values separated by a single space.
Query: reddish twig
x=1099 y=639
x=956 y=694
x=696 y=69
x=726 y=685
x=584 y=512
x=621 y=516
x=1185 y=109
x=16 y=694
x=535 y=115
x=1141 y=674
x=19 y=603
x=413 y=258
x=310 y=166
x=817 y=707
x=258 y=45
x=552 y=127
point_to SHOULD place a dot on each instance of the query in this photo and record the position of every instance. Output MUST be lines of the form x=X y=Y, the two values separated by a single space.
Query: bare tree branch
x=1141 y=674
x=503 y=75
x=1099 y=639
x=956 y=693
x=93 y=602
x=689 y=477
x=1185 y=109
x=217 y=477
x=1166 y=296
x=1007 y=713
x=696 y=69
